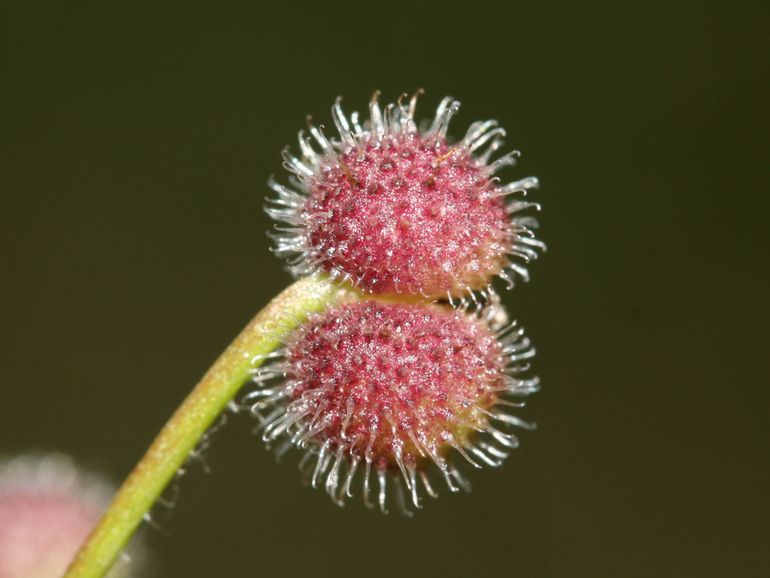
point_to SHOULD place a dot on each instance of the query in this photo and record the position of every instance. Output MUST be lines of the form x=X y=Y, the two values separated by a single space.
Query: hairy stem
x=198 y=411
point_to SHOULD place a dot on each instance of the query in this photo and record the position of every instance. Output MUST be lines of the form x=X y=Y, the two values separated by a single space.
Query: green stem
x=182 y=432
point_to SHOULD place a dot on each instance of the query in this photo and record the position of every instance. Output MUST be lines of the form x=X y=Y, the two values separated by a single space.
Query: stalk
x=206 y=401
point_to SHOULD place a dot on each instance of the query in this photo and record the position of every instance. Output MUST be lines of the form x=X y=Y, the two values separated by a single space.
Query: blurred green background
x=135 y=142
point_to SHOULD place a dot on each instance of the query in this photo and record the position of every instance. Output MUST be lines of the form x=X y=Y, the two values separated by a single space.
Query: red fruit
x=47 y=509
x=393 y=387
x=395 y=210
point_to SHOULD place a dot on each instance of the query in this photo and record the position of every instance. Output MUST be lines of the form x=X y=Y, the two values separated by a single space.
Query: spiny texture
x=398 y=210
x=47 y=508
x=394 y=387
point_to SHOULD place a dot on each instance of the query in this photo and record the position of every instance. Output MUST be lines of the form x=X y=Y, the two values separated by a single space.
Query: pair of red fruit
x=411 y=374
x=422 y=367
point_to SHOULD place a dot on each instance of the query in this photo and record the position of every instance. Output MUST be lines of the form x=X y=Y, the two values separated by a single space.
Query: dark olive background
x=135 y=142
